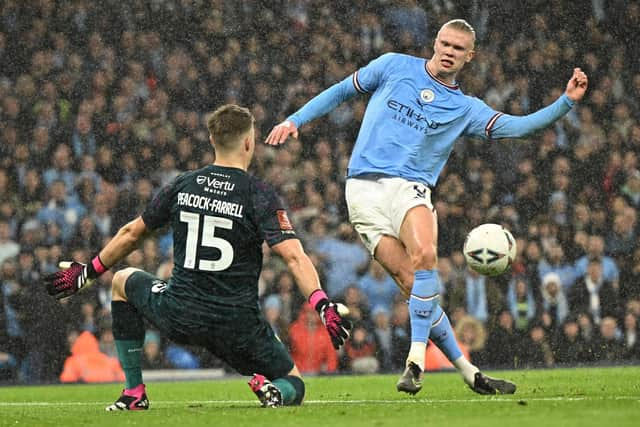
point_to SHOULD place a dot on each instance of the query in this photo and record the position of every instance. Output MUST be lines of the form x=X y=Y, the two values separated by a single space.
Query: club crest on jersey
x=427 y=95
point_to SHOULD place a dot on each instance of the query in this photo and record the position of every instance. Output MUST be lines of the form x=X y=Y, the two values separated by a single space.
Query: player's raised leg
x=392 y=254
x=128 y=331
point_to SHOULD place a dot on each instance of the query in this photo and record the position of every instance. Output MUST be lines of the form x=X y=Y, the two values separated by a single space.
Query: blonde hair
x=479 y=332
x=460 y=25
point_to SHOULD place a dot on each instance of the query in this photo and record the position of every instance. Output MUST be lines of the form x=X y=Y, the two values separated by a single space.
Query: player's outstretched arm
x=333 y=315
x=318 y=106
x=74 y=276
x=507 y=126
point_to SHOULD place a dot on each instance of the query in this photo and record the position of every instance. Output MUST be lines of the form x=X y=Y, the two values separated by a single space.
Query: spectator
x=360 y=351
x=101 y=215
x=271 y=308
x=32 y=193
x=407 y=22
x=570 y=347
x=595 y=251
x=607 y=345
x=537 y=351
x=181 y=357
x=7 y=367
x=152 y=354
x=61 y=170
x=587 y=328
x=631 y=189
x=86 y=235
x=62 y=210
x=594 y=295
x=11 y=322
x=379 y=288
x=345 y=257
x=554 y=262
x=622 y=239
x=554 y=301
x=631 y=339
x=87 y=364
x=521 y=302
x=477 y=304
x=311 y=348
x=504 y=343
x=356 y=302
x=290 y=298
x=472 y=334
x=83 y=140
x=382 y=332
x=8 y=247
x=400 y=334
x=106 y=340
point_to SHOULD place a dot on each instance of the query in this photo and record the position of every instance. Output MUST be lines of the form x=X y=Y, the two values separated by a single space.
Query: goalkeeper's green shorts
x=240 y=337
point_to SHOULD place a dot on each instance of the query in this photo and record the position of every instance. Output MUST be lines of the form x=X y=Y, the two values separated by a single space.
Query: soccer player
x=220 y=216
x=415 y=114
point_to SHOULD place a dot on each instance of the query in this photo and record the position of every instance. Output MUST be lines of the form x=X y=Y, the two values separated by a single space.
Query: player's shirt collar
x=447 y=85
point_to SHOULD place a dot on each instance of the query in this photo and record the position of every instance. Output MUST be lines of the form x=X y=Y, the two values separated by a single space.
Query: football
x=489 y=249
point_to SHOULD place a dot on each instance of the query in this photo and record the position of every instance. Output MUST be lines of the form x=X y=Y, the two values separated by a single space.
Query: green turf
x=608 y=397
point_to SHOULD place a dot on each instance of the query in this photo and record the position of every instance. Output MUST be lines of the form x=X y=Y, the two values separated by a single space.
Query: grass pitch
x=567 y=397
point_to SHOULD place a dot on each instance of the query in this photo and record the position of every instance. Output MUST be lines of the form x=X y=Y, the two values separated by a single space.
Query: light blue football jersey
x=413 y=119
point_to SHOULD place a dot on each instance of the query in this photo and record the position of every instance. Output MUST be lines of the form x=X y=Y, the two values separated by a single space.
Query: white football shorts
x=378 y=204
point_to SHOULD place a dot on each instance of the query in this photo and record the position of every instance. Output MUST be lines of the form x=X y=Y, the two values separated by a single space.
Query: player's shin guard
x=292 y=389
x=128 y=331
x=422 y=304
x=443 y=336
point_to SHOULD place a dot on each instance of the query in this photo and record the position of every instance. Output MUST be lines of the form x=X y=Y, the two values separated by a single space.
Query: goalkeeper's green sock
x=128 y=331
x=292 y=389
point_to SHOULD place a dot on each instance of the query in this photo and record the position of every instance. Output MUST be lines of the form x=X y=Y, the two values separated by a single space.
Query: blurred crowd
x=102 y=103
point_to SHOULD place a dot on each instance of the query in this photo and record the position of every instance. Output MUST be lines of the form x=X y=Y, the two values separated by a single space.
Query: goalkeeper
x=220 y=216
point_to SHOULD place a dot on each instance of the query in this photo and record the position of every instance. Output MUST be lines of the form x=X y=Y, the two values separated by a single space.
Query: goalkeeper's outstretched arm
x=74 y=276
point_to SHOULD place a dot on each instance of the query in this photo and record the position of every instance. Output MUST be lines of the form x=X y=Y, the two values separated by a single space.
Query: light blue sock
x=443 y=336
x=422 y=304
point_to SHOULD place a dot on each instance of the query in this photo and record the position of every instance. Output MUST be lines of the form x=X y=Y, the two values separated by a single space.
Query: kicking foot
x=486 y=385
x=269 y=395
x=134 y=399
x=411 y=380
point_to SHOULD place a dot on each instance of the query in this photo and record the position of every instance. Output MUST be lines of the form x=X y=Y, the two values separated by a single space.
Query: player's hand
x=577 y=85
x=333 y=316
x=281 y=132
x=72 y=277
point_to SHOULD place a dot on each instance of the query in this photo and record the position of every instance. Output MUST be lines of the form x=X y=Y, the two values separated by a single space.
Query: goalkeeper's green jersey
x=220 y=217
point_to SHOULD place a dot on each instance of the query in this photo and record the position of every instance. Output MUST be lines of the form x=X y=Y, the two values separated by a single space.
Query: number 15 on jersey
x=209 y=224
